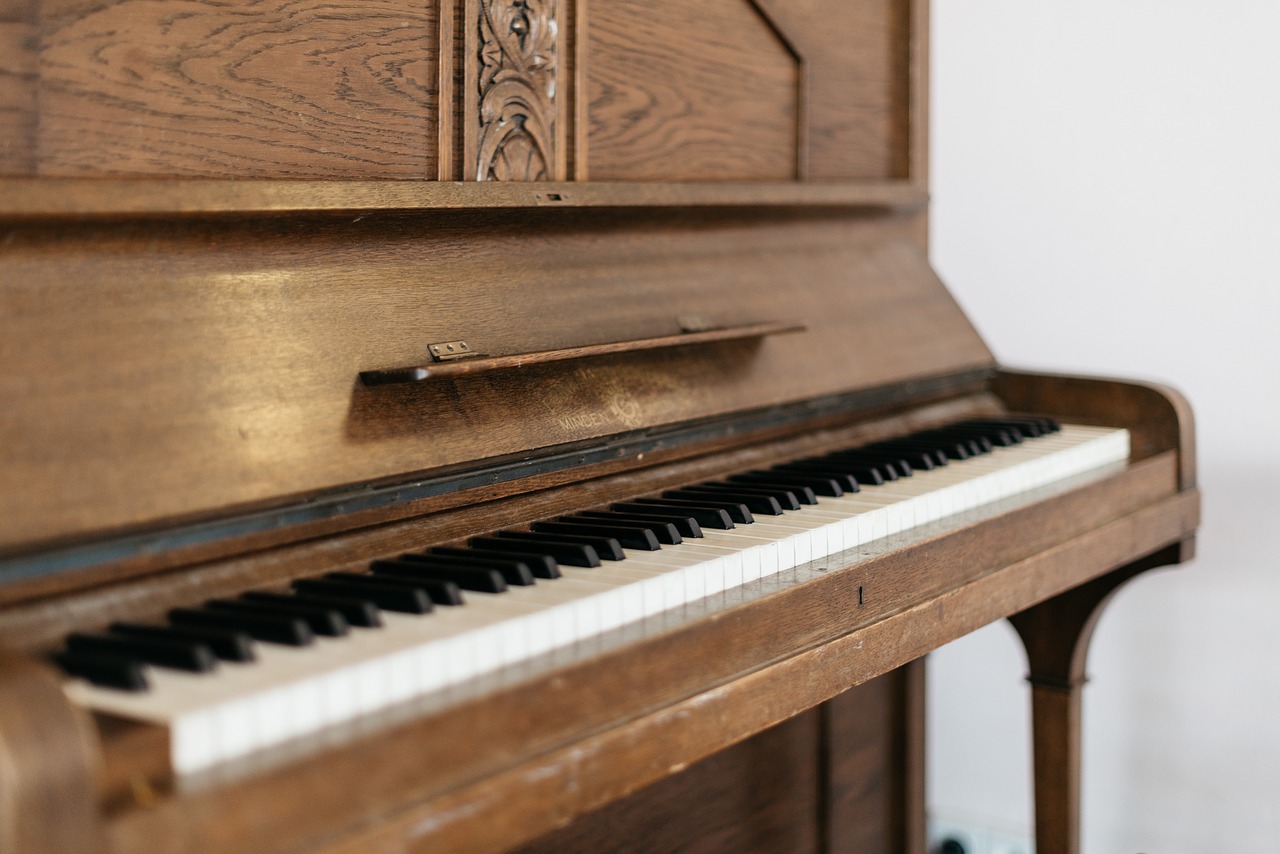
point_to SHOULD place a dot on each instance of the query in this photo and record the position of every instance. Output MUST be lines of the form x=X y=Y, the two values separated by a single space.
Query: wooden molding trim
x=146 y=197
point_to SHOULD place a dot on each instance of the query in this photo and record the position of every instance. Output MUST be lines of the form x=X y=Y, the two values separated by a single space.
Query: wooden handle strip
x=485 y=364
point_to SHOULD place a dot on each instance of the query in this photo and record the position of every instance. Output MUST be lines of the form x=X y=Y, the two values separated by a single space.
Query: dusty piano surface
x=678 y=242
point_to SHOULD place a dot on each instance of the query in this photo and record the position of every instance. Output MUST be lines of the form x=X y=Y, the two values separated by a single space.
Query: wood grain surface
x=858 y=99
x=19 y=89
x=250 y=88
x=172 y=369
x=689 y=91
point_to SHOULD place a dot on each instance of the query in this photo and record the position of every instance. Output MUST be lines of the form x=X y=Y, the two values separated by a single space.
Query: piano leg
x=1056 y=635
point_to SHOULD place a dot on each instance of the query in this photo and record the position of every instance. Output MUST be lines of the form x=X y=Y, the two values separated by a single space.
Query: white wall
x=1106 y=181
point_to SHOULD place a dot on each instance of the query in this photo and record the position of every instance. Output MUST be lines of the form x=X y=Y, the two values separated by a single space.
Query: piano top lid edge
x=76 y=198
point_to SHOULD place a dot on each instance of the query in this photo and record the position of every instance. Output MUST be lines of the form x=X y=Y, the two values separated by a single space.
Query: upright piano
x=489 y=425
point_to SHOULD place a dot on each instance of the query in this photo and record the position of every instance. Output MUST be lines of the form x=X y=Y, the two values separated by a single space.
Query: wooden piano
x=293 y=291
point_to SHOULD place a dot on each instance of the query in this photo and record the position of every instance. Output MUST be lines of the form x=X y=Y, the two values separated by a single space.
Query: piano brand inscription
x=615 y=406
x=579 y=422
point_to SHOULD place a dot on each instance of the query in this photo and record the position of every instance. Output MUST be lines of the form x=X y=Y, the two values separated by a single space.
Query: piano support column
x=1056 y=636
x=48 y=765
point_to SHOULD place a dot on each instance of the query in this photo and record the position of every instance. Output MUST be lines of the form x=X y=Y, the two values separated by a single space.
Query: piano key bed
x=239 y=676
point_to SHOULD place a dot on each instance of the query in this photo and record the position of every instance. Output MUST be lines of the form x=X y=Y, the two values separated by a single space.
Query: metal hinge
x=450 y=351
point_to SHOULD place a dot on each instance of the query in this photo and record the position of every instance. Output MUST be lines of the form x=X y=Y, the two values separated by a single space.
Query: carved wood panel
x=514 y=128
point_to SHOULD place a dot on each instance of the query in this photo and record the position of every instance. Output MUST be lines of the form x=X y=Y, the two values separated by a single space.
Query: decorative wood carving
x=517 y=89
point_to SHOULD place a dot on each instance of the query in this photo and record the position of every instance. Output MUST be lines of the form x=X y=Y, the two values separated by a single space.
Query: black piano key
x=629 y=536
x=787 y=497
x=790 y=496
x=845 y=472
x=385 y=593
x=542 y=565
x=1004 y=436
x=704 y=515
x=865 y=473
x=756 y=504
x=475 y=578
x=106 y=671
x=780 y=498
x=568 y=553
x=846 y=482
x=166 y=652
x=890 y=466
x=941 y=455
x=686 y=525
x=1018 y=431
x=606 y=548
x=816 y=484
x=323 y=621
x=513 y=570
x=917 y=459
x=664 y=532
x=738 y=512
x=1032 y=426
x=227 y=645
x=289 y=631
x=358 y=612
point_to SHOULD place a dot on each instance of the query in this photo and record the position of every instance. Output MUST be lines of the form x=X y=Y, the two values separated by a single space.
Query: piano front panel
x=169 y=370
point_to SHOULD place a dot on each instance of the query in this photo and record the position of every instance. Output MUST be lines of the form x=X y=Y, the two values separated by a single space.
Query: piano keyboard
x=239 y=676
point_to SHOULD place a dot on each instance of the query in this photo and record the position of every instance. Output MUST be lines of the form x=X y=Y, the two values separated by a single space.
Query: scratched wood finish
x=264 y=326
x=689 y=91
x=587 y=747
x=250 y=88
